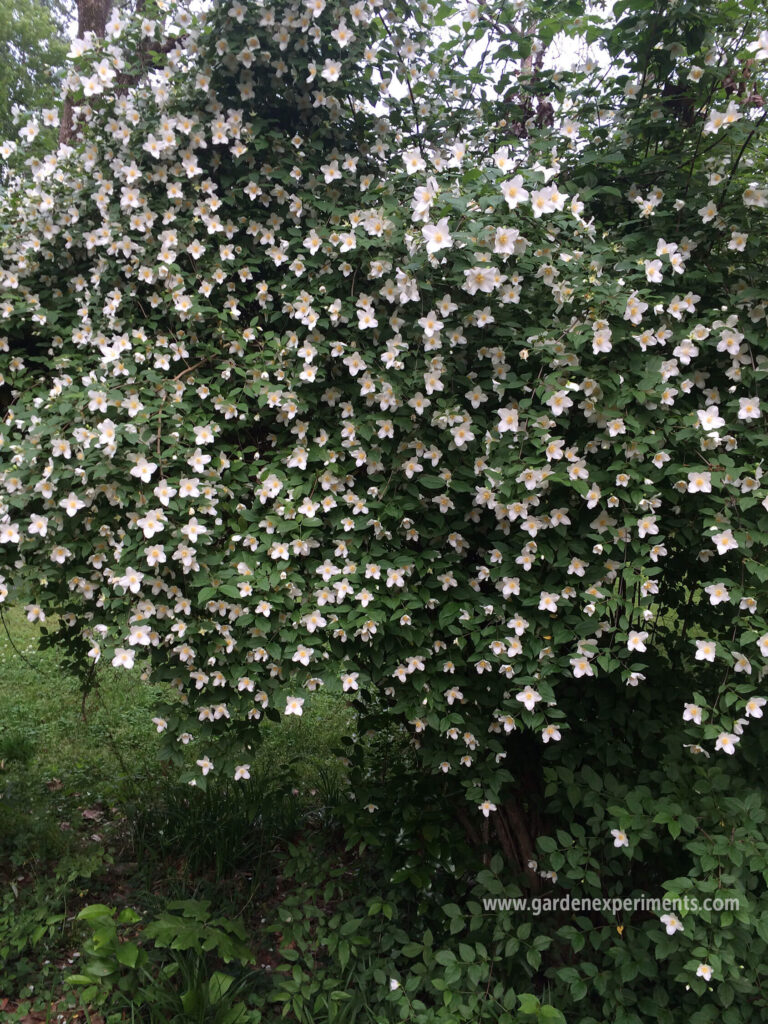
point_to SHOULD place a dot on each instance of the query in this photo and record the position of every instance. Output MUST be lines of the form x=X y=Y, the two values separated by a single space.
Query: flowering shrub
x=450 y=402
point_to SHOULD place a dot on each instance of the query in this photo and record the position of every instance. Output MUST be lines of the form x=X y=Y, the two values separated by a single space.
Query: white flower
x=38 y=524
x=760 y=46
x=331 y=70
x=726 y=742
x=9 y=534
x=704 y=971
x=193 y=529
x=710 y=418
x=508 y=420
x=528 y=697
x=72 y=504
x=143 y=469
x=303 y=655
x=646 y=527
x=692 y=713
x=754 y=707
x=581 y=667
x=619 y=837
x=708 y=212
x=548 y=602
x=718 y=594
x=431 y=324
x=749 y=409
x=635 y=309
x=725 y=542
x=754 y=196
x=653 y=270
x=738 y=241
x=636 y=640
x=140 y=635
x=486 y=807
x=671 y=923
x=741 y=663
x=513 y=191
x=395 y=577
x=714 y=123
x=30 y=130
x=699 y=482
x=294 y=706
x=123 y=658
x=542 y=202
x=413 y=161
x=705 y=650
x=437 y=236
x=151 y=524
x=506 y=241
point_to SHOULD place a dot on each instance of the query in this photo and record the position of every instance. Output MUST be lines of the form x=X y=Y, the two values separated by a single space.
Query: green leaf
x=528 y=1003
x=412 y=949
x=343 y=954
x=96 y=912
x=218 y=986
x=127 y=953
x=551 y=1013
x=350 y=926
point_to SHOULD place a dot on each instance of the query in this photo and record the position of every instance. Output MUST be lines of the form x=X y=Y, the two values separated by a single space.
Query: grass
x=88 y=815
x=107 y=738
x=65 y=735
x=126 y=895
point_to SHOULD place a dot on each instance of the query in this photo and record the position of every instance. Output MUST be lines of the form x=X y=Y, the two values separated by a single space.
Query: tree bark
x=92 y=16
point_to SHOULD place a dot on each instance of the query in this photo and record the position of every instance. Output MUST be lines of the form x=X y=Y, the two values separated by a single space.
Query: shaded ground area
x=88 y=816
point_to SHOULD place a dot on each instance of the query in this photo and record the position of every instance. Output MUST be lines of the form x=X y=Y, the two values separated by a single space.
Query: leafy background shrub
x=441 y=413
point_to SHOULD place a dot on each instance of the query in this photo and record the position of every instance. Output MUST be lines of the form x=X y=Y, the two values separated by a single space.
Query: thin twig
x=741 y=154
x=10 y=640
x=407 y=77
x=698 y=144
x=178 y=376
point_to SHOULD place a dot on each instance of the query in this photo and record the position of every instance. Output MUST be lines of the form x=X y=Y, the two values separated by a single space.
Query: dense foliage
x=32 y=40
x=450 y=402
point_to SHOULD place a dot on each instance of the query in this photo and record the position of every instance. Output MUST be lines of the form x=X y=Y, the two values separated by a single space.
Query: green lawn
x=105 y=739
x=83 y=741
x=89 y=815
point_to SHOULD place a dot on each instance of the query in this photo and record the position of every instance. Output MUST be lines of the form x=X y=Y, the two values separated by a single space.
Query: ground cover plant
x=127 y=899
x=358 y=352
x=86 y=820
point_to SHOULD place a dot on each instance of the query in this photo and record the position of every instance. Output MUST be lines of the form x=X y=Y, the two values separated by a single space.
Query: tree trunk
x=92 y=16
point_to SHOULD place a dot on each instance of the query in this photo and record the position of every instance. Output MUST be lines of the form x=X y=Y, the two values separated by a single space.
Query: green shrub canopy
x=402 y=416
x=333 y=359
